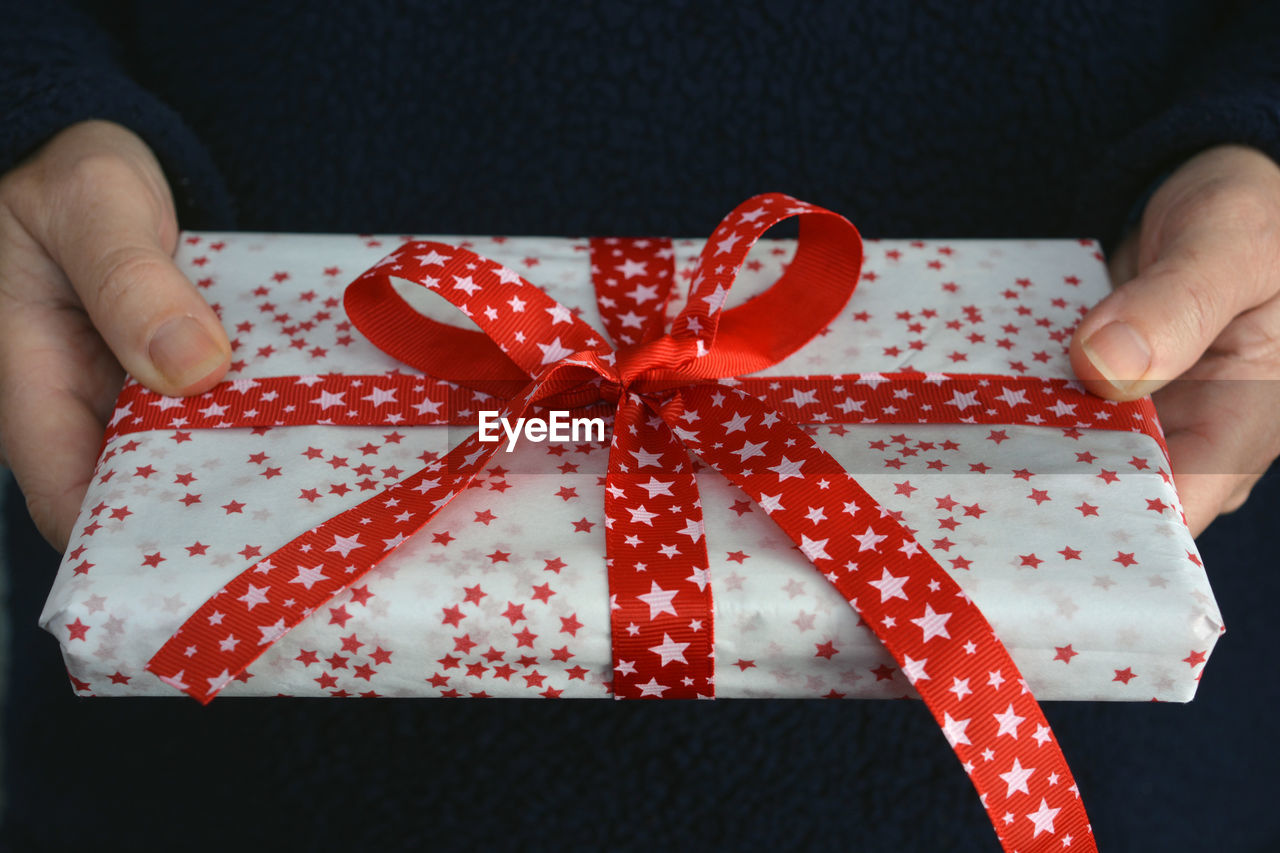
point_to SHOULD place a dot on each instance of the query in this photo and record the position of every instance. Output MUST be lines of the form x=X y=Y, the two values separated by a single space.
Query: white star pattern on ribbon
x=1008 y=721
x=1016 y=778
x=254 y=596
x=656 y=487
x=890 y=586
x=344 y=545
x=554 y=351
x=307 y=577
x=914 y=669
x=932 y=624
x=659 y=601
x=813 y=548
x=670 y=650
x=954 y=730
x=870 y=540
x=1043 y=818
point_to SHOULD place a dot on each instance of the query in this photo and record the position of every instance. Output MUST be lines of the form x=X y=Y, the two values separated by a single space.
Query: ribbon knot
x=650 y=360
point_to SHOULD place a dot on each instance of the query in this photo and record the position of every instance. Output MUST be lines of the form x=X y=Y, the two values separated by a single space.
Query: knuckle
x=78 y=189
x=1231 y=212
x=94 y=173
x=124 y=273
x=1200 y=304
x=1256 y=340
x=1246 y=207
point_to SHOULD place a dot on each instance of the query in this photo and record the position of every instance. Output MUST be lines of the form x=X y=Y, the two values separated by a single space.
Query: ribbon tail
x=263 y=603
x=659 y=580
x=242 y=620
x=916 y=609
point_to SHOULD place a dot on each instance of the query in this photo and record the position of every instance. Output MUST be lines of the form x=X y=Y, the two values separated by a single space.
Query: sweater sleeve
x=59 y=65
x=1228 y=93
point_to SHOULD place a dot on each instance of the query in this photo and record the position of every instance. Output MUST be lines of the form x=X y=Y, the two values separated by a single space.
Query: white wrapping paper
x=1072 y=545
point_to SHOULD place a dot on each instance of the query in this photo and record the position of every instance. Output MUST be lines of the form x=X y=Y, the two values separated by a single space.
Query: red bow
x=667 y=407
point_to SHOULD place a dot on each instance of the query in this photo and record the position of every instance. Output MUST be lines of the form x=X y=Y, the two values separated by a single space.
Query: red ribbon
x=667 y=406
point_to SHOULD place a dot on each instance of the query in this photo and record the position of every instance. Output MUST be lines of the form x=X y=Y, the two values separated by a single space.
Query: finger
x=1220 y=438
x=52 y=412
x=113 y=237
x=1206 y=496
x=1122 y=264
x=1157 y=325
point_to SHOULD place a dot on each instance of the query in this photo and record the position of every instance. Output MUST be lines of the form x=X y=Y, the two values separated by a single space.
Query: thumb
x=114 y=240
x=1155 y=326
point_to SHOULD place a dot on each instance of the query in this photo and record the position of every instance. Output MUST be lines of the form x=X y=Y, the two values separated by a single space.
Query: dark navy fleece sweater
x=926 y=118
x=914 y=119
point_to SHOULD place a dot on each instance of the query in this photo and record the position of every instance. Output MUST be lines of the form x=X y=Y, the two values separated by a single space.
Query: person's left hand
x=1197 y=300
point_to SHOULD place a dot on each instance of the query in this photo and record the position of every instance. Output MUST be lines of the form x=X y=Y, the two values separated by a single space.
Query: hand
x=87 y=284
x=1197 y=299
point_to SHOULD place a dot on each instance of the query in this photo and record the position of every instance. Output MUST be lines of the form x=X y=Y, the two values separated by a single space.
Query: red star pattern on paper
x=818 y=402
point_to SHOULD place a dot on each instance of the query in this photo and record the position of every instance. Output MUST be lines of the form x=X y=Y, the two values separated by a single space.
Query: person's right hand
x=87 y=284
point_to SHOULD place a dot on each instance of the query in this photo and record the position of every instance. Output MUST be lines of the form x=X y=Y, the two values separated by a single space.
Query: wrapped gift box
x=1069 y=540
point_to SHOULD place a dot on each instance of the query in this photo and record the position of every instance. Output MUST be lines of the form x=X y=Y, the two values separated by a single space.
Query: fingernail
x=1119 y=353
x=184 y=352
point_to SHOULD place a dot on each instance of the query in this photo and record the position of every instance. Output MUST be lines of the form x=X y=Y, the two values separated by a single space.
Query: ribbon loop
x=500 y=359
x=761 y=332
x=633 y=280
x=706 y=341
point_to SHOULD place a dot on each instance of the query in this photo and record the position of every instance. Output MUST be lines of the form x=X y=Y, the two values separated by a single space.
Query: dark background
x=921 y=119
